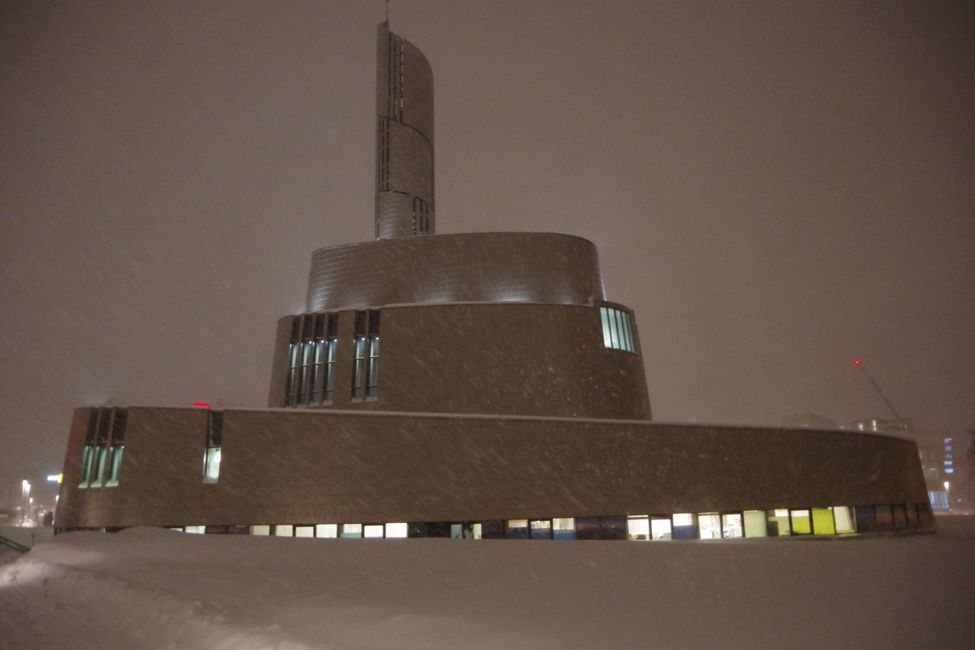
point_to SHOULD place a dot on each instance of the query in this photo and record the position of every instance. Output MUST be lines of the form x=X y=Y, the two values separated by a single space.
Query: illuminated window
x=755 y=523
x=397 y=529
x=517 y=529
x=685 y=525
x=778 y=522
x=195 y=530
x=709 y=525
x=260 y=529
x=372 y=531
x=211 y=457
x=843 y=520
x=617 y=329
x=660 y=528
x=731 y=526
x=88 y=455
x=351 y=531
x=822 y=521
x=118 y=446
x=563 y=528
x=365 y=370
x=311 y=358
x=86 y=462
x=101 y=458
x=102 y=436
x=328 y=531
x=284 y=530
x=541 y=529
x=800 y=522
x=638 y=528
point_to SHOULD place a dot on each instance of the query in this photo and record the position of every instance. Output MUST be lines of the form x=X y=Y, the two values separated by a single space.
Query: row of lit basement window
x=781 y=522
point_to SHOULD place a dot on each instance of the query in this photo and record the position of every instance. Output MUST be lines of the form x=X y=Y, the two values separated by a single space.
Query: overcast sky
x=774 y=188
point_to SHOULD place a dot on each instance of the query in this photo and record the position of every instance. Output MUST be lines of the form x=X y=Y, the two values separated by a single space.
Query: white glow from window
x=261 y=529
x=684 y=519
x=709 y=525
x=372 y=531
x=517 y=523
x=195 y=530
x=304 y=531
x=284 y=530
x=211 y=465
x=731 y=525
x=563 y=523
x=755 y=523
x=844 y=520
x=397 y=529
x=327 y=531
x=660 y=528
x=351 y=531
x=638 y=528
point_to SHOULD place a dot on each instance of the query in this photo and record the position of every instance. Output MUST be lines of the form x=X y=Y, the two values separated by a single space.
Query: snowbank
x=148 y=588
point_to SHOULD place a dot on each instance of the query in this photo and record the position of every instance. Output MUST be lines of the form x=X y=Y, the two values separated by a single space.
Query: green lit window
x=822 y=521
x=801 y=523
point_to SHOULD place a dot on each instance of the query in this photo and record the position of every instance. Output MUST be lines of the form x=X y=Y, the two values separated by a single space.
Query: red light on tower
x=201 y=405
x=858 y=363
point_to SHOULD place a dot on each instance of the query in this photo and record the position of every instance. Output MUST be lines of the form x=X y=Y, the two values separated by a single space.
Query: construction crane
x=859 y=364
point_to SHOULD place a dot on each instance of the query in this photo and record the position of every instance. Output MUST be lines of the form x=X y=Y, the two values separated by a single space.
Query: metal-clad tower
x=404 y=139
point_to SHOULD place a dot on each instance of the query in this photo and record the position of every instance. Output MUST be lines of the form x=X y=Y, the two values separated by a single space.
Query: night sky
x=774 y=188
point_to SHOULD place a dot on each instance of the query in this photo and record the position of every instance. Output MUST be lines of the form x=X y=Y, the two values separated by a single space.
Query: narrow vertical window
x=318 y=361
x=118 y=446
x=331 y=342
x=294 y=352
x=214 y=440
x=359 y=365
x=307 y=358
x=365 y=370
x=372 y=388
x=88 y=455
x=101 y=447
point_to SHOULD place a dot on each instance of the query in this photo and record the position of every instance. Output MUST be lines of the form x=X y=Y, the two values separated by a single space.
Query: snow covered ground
x=148 y=588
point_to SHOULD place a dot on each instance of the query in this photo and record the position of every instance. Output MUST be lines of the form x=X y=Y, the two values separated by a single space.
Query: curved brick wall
x=473 y=267
x=314 y=466
x=518 y=359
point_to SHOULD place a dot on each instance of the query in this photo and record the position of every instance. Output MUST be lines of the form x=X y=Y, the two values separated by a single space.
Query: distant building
x=507 y=399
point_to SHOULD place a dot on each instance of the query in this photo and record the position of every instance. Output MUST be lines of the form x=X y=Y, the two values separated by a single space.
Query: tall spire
x=404 y=138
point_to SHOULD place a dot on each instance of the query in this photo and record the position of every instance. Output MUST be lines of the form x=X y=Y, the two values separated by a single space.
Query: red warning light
x=858 y=362
x=201 y=405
